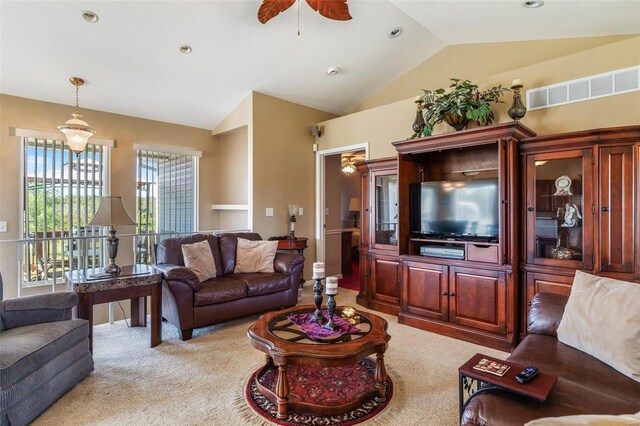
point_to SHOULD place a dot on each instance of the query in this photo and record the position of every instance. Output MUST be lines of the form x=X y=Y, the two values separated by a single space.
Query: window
x=165 y=192
x=61 y=191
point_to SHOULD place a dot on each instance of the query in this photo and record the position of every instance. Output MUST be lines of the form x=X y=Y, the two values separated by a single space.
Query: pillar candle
x=332 y=285
x=318 y=270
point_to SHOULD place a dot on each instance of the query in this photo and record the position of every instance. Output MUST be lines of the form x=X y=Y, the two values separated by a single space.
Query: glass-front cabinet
x=385 y=209
x=560 y=207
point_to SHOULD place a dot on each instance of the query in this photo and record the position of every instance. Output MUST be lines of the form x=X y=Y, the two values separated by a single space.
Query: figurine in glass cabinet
x=571 y=215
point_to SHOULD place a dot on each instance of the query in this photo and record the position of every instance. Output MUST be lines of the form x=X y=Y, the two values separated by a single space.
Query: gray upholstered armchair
x=43 y=353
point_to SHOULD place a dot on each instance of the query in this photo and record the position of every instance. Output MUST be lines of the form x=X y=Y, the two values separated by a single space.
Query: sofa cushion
x=588 y=419
x=23 y=350
x=255 y=256
x=199 y=258
x=169 y=250
x=263 y=283
x=219 y=290
x=566 y=398
x=602 y=319
x=228 y=245
x=554 y=357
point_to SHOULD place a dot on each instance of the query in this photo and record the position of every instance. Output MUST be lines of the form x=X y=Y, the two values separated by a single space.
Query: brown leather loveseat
x=585 y=384
x=188 y=303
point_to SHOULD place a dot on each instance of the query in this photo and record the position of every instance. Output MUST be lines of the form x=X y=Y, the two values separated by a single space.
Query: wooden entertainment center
x=565 y=202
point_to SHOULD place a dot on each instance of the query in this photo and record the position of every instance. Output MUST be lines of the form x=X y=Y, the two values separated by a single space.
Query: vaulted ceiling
x=132 y=65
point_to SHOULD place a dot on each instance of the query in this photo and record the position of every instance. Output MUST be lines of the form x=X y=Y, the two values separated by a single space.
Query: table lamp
x=354 y=206
x=112 y=212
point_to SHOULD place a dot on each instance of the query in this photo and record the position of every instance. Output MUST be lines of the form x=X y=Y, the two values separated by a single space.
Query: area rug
x=324 y=386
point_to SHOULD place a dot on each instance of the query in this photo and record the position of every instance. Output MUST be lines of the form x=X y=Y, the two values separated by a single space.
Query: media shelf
x=472 y=251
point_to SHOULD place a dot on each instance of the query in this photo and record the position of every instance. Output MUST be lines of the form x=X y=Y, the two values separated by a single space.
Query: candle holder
x=331 y=305
x=517 y=110
x=317 y=298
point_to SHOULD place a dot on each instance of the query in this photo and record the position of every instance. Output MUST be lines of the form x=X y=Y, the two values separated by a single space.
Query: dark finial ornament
x=517 y=110
x=418 y=124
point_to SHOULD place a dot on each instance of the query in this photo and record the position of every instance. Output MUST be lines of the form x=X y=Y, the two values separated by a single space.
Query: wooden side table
x=473 y=382
x=135 y=282
x=298 y=245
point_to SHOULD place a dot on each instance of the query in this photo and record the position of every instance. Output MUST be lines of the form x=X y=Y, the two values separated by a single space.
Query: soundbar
x=442 y=251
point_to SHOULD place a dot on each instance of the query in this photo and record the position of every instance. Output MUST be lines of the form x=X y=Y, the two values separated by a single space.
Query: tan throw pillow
x=255 y=256
x=199 y=259
x=588 y=419
x=602 y=318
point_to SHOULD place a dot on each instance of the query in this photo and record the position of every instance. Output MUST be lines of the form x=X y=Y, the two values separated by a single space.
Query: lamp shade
x=111 y=212
x=354 y=205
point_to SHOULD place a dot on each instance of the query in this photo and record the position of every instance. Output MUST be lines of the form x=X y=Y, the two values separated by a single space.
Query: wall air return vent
x=596 y=86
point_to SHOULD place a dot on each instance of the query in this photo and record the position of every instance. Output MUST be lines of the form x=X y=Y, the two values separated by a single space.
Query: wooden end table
x=284 y=344
x=298 y=245
x=135 y=282
x=474 y=382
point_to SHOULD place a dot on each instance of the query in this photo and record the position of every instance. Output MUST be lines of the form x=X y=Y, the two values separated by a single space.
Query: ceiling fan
x=337 y=10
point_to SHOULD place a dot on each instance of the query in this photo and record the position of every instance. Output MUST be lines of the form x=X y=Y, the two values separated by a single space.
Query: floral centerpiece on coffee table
x=461 y=104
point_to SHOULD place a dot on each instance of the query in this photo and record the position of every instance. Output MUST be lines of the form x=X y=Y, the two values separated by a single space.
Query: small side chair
x=43 y=353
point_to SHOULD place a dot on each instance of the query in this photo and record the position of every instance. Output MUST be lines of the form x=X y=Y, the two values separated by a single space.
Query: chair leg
x=186 y=334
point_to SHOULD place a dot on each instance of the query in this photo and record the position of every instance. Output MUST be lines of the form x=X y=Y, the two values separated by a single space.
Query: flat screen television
x=455 y=208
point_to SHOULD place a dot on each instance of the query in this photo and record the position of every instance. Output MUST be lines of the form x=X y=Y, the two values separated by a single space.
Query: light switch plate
x=269 y=211
x=326 y=211
x=300 y=211
x=3 y=226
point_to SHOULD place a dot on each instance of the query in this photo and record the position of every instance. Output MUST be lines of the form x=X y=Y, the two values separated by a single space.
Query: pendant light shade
x=76 y=130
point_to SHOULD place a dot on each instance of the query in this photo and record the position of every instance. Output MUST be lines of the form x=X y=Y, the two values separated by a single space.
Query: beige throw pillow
x=602 y=318
x=199 y=259
x=255 y=256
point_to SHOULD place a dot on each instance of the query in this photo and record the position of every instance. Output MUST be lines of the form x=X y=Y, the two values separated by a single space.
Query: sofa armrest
x=37 y=309
x=179 y=273
x=546 y=312
x=285 y=263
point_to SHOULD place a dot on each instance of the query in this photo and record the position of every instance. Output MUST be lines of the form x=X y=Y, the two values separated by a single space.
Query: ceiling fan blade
x=271 y=8
x=337 y=10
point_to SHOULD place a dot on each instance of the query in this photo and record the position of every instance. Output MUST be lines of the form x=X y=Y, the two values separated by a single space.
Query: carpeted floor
x=200 y=382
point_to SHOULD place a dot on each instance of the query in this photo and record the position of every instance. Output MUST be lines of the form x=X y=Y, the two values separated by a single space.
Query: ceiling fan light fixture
x=347 y=166
x=90 y=16
x=396 y=32
x=532 y=4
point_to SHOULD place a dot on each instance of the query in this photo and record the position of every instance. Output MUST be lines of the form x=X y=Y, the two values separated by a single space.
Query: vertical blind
x=165 y=194
x=61 y=192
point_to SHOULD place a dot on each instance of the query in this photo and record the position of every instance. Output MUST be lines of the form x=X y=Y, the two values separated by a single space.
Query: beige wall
x=284 y=168
x=233 y=177
x=36 y=115
x=478 y=62
x=392 y=122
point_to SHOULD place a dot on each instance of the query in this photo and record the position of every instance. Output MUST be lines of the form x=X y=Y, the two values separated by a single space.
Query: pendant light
x=77 y=131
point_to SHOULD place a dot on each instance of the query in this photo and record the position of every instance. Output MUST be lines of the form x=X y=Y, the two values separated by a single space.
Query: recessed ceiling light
x=185 y=48
x=395 y=32
x=90 y=16
x=532 y=4
x=333 y=71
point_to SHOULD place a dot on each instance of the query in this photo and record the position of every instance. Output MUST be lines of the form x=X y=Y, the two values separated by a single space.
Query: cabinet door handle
x=444 y=293
x=605 y=209
x=452 y=294
x=529 y=209
x=529 y=303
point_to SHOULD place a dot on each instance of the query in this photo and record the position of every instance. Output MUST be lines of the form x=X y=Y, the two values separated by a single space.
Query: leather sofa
x=188 y=303
x=585 y=384
x=43 y=353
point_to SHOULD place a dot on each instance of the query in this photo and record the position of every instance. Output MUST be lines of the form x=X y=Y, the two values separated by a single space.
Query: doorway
x=337 y=217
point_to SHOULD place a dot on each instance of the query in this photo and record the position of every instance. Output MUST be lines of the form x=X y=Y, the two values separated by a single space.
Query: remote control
x=527 y=374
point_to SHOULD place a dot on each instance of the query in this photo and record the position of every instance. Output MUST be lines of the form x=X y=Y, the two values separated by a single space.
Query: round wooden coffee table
x=285 y=344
